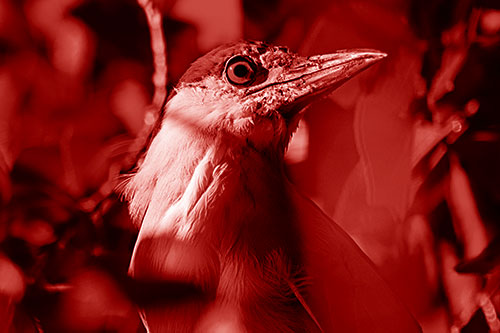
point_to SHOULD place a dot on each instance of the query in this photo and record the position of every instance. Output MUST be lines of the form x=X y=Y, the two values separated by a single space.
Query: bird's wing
x=346 y=293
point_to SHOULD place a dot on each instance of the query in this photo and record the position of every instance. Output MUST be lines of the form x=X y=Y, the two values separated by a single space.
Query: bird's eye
x=240 y=70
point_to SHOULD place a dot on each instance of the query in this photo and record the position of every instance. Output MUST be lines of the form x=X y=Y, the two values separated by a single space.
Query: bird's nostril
x=166 y=259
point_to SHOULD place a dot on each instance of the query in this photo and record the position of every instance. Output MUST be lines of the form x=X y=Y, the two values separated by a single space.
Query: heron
x=216 y=211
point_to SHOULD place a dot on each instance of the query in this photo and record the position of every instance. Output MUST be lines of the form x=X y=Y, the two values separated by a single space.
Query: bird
x=216 y=211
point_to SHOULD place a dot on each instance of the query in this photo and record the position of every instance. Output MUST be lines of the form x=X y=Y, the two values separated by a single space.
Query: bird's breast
x=231 y=232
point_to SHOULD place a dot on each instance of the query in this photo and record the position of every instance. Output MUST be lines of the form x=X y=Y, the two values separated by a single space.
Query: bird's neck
x=237 y=194
x=231 y=198
x=217 y=184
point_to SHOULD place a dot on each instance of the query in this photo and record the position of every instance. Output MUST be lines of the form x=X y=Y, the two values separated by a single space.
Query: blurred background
x=405 y=157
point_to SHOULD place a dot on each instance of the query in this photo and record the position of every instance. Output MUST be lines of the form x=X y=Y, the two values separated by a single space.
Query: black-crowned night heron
x=216 y=210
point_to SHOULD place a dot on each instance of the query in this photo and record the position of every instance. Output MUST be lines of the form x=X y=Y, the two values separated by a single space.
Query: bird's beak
x=328 y=71
x=318 y=75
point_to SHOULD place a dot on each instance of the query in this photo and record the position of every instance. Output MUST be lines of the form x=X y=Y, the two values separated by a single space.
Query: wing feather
x=346 y=293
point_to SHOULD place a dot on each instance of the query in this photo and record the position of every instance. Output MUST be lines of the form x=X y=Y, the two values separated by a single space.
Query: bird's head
x=255 y=92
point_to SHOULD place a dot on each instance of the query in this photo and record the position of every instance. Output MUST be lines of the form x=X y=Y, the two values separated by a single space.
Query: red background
x=405 y=157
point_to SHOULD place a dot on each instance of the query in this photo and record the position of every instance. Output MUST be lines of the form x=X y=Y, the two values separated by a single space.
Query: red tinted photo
x=249 y=166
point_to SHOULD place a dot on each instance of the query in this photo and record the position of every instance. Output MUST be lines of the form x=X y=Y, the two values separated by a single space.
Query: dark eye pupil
x=241 y=70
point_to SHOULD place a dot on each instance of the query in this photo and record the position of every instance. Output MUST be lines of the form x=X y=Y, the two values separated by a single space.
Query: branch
x=158 y=49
